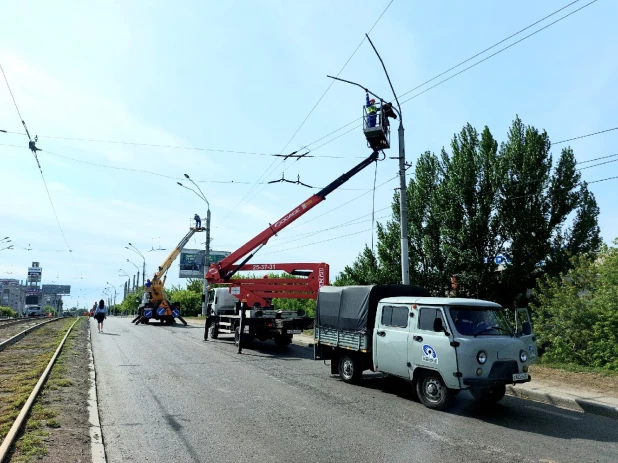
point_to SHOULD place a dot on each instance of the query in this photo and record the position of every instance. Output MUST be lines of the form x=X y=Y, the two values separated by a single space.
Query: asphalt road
x=165 y=395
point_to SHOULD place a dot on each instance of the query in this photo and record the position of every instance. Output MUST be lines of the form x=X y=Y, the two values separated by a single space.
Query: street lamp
x=403 y=211
x=5 y=240
x=112 y=286
x=134 y=249
x=8 y=247
x=136 y=267
x=206 y=261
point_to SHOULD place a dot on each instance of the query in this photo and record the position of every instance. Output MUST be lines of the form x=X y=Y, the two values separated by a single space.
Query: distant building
x=13 y=295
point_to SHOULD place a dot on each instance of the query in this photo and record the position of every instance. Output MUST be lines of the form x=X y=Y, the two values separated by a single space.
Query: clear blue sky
x=242 y=76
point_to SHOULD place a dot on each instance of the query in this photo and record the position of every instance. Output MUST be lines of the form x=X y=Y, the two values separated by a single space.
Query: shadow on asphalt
x=175 y=326
x=109 y=334
x=512 y=413
x=176 y=427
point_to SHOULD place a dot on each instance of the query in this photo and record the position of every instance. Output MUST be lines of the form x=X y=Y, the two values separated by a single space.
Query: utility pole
x=206 y=260
x=133 y=283
x=206 y=264
x=403 y=206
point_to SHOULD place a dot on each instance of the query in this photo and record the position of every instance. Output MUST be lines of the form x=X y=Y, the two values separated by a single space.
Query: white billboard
x=34 y=274
x=191 y=262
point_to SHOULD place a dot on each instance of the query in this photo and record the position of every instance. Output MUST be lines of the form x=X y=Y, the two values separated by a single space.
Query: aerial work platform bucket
x=376 y=127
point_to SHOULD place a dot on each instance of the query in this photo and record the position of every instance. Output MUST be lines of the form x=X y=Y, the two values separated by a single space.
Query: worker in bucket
x=198 y=221
x=372 y=111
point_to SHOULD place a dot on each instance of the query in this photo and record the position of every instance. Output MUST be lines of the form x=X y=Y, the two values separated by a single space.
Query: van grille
x=503 y=369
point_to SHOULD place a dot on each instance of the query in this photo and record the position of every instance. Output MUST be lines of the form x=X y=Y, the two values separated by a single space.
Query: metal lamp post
x=112 y=286
x=137 y=268
x=133 y=248
x=206 y=260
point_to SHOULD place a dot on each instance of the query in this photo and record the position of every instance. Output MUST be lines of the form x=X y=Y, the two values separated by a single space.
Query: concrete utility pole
x=133 y=283
x=206 y=259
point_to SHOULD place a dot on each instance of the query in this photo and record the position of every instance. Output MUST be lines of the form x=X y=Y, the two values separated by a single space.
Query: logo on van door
x=430 y=354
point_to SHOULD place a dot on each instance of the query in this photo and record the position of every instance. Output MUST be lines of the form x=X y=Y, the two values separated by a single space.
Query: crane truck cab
x=262 y=323
x=441 y=345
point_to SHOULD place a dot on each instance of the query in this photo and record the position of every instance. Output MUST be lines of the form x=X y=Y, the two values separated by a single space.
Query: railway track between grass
x=25 y=364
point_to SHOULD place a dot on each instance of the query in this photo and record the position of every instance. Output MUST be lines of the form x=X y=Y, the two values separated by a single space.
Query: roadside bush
x=6 y=311
x=576 y=317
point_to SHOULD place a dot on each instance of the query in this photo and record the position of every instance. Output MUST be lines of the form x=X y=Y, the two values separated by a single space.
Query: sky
x=242 y=76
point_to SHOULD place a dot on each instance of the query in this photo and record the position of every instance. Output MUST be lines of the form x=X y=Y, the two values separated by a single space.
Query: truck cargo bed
x=343 y=339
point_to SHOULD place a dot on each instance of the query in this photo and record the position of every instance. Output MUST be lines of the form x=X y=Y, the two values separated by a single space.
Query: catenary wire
x=268 y=170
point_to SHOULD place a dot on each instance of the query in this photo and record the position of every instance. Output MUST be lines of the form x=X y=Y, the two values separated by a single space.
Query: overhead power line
x=270 y=169
x=143 y=171
x=584 y=136
x=596 y=159
x=40 y=168
x=460 y=64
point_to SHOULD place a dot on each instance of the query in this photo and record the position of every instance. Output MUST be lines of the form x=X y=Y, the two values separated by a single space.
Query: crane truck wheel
x=213 y=332
x=350 y=369
x=237 y=336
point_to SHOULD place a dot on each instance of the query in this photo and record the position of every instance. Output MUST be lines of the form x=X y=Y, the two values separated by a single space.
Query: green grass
x=53 y=423
x=573 y=368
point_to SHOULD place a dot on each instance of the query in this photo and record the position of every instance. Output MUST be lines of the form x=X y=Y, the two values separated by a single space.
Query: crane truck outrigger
x=155 y=304
x=248 y=302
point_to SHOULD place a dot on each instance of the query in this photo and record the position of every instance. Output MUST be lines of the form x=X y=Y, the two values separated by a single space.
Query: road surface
x=166 y=395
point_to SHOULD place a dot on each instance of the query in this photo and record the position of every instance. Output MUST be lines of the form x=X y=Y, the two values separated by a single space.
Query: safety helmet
x=372 y=101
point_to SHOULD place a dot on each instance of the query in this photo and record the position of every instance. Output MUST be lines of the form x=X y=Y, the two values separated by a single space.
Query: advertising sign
x=33 y=291
x=191 y=262
x=57 y=289
x=34 y=274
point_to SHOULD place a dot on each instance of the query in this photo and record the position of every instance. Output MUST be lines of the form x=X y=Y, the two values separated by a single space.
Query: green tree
x=576 y=315
x=470 y=205
x=6 y=311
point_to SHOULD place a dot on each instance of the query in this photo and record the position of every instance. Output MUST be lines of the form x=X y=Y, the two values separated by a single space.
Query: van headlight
x=523 y=356
x=481 y=357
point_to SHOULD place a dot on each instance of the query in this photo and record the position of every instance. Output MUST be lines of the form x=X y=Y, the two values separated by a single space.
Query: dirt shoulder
x=57 y=429
x=605 y=383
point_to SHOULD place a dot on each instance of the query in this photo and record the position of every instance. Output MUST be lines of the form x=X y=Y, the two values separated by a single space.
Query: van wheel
x=433 y=393
x=490 y=395
x=350 y=369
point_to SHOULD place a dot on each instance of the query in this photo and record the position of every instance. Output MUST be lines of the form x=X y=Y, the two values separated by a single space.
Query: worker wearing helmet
x=372 y=111
x=198 y=221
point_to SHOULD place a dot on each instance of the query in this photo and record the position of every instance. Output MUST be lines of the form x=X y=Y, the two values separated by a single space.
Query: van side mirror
x=438 y=327
x=526 y=329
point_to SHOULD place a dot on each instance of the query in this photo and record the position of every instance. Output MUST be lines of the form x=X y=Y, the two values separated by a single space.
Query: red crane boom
x=222 y=271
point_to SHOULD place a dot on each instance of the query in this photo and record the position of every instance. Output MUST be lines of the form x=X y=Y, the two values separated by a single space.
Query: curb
x=19 y=336
x=564 y=401
x=96 y=436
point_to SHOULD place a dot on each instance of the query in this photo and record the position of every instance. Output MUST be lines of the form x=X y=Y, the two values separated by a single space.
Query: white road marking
x=562 y=415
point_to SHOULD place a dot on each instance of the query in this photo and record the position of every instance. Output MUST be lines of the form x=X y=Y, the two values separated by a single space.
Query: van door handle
x=381 y=333
x=417 y=338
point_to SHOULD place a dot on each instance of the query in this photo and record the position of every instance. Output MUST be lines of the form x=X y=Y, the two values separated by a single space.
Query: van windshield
x=472 y=321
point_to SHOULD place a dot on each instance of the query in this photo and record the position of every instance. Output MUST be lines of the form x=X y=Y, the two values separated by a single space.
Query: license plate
x=520 y=376
x=293 y=331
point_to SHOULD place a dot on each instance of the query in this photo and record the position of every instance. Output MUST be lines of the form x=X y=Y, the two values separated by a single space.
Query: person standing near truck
x=100 y=314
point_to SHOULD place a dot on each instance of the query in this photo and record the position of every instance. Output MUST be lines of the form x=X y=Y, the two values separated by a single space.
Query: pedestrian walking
x=100 y=314
x=94 y=307
x=198 y=221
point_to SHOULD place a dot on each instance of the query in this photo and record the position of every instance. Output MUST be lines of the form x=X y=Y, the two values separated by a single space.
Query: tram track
x=11 y=333
x=24 y=368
